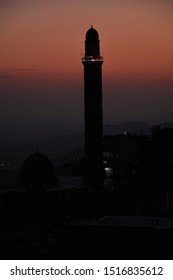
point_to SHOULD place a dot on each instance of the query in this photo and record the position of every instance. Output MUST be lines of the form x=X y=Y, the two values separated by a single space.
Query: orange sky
x=136 y=36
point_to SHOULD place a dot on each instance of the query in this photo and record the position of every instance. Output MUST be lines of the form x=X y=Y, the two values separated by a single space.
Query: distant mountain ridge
x=132 y=128
x=67 y=147
x=137 y=128
x=67 y=143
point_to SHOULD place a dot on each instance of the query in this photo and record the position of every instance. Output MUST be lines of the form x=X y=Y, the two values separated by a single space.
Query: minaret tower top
x=92 y=46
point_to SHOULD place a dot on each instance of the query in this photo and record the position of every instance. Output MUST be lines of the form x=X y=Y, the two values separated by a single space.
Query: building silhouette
x=37 y=173
x=92 y=61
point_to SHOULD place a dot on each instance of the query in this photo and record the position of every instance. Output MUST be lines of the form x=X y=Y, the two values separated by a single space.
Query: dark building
x=92 y=62
x=120 y=155
x=37 y=173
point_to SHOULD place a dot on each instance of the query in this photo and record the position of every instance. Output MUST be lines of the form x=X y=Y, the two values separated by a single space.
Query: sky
x=41 y=74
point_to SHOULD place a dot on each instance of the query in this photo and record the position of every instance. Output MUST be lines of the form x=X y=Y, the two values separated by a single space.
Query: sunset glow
x=42 y=43
x=135 y=37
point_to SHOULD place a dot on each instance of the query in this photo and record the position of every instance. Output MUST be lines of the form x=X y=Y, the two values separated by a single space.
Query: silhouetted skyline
x=47 y=211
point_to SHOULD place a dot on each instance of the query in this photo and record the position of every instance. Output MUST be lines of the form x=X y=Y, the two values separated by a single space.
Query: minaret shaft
x=93 y=109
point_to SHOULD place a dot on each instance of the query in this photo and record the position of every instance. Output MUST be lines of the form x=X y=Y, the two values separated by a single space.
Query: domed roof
x=37 y=171
x=92 y=34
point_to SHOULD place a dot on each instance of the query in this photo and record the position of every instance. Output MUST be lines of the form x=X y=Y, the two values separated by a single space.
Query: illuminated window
x=109 y=171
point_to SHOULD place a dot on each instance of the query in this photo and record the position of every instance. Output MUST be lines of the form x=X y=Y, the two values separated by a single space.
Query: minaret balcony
x=92 y=59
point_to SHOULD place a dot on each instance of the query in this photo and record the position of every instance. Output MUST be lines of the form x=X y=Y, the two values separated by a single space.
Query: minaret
x=92 y=61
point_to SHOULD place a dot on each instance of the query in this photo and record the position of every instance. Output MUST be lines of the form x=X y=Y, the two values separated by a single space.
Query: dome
x=92 y=34
x=37 y=172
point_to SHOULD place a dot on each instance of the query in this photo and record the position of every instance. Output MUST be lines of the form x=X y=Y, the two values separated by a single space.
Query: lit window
x=109 y=171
